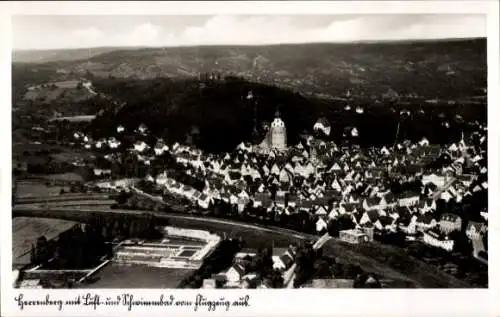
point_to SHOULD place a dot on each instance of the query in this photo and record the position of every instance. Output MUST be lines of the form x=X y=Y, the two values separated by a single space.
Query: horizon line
x=257 y=45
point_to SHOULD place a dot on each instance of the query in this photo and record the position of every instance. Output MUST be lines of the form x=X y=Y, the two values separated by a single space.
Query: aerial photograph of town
x=259 y=152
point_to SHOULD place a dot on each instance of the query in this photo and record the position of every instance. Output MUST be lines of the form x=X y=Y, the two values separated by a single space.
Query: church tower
x=278 y=133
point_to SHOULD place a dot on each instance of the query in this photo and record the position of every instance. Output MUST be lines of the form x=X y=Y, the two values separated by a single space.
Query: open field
x=68 y=177
x=47 y=160
x=76 y=200
x=83 y=118
x=40 y=187
x=82 y=203
x=137 y=276
x=66 y=84
x=18 y=148
x=25 y=232
x=26 y=189
x=59 y=84
x=53 y=91
x=57 y=152
x=47 y=95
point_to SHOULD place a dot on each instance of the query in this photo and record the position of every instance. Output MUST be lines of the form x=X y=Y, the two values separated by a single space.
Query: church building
x=278 y=133
x=275 y=137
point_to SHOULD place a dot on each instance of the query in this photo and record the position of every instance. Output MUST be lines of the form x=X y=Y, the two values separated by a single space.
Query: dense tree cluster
x=300 y=221
x=398 y=188
x=343 y=222
x=312 y=264
x=262 y=265
x=73 y=249
x=224 y=117
x=182 y=177
x=50 y=167
x=397 y=238
x=305 y=259
x=82 y=246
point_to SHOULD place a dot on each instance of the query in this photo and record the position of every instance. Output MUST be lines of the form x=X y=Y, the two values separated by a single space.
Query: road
x=38 y=210
x=61 y=198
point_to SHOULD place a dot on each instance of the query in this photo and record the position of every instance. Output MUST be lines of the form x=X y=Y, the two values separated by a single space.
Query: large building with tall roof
x=275 y=138
x=278 y=133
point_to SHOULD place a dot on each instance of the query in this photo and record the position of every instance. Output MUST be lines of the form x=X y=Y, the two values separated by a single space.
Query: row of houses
x=238 y=275
x=314 y=200
x=329 y=182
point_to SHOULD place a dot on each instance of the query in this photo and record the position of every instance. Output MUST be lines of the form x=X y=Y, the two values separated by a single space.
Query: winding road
x=39 y=210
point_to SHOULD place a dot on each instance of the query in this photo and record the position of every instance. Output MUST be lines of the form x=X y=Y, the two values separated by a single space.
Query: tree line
x=171 y=108
x=83 y=246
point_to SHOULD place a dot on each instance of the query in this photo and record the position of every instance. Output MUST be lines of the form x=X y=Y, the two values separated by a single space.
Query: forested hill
x=445 y=69
x=219 y=110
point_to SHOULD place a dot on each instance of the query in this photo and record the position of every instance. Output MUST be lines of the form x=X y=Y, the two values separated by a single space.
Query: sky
x=59 y=31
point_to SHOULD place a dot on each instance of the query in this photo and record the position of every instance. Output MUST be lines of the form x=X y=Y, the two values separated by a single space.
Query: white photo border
x=421 y=302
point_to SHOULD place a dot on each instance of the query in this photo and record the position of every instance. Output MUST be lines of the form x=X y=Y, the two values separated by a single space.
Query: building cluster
x=329 y=182
x=241 y=275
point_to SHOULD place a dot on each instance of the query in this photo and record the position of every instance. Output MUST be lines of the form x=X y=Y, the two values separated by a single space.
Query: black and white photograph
x=249 y=151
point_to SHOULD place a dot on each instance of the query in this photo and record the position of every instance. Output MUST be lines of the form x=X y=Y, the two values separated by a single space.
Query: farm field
x=91 y=202
x=53 y=91
x=69 y=177
x=34 y=147
x=25 y=232
x=38 y=186
x=70 y=199
x=81 y=118
x=30 y=151
x=59 y=84
x=26 y=189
